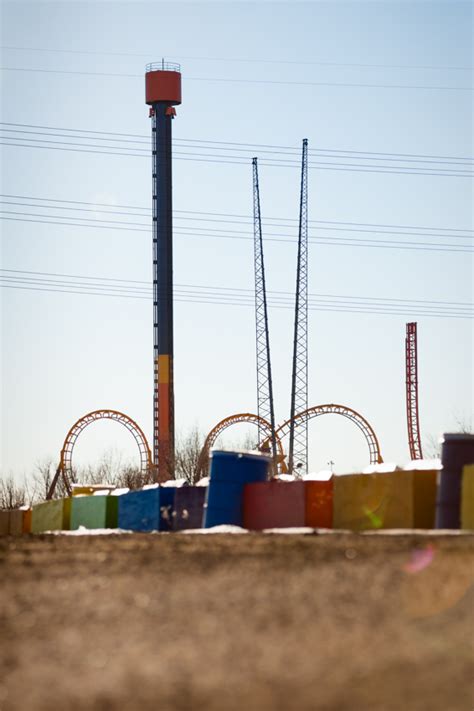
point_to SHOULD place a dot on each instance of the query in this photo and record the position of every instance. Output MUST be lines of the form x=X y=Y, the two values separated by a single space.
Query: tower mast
x=411 y=368
x=163 y=92
x=298 y=446
x=265 y=407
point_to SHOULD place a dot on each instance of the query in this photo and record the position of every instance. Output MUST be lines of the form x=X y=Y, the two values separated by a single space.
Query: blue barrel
x=147 y=509
x=457 y=450
x=230 y=471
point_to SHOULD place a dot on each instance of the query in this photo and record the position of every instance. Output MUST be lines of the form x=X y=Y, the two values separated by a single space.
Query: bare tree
x=464 y=424
x=12 y=495
x=187 y=451
x=112 y=471
x=432 y=444
x=431 y=447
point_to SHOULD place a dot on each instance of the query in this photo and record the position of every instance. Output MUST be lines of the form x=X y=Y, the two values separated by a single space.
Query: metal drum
x=188 y=507
x=230 y=471
x=458 y=450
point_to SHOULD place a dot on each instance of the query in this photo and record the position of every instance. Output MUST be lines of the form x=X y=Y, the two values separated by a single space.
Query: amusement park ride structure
x=163 y=92
x=411 y=366
x=265 y=406
x=298 y=445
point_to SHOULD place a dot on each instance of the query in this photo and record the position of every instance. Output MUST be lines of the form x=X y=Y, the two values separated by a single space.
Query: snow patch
x=223 y=528
x=423 y=465
x=323 y=475
x=82 y=531
x=177 y=483
x=119 y=492
x=296 y=530
x=384 y=468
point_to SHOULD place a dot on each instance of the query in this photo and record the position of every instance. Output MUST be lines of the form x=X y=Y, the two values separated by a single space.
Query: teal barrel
x=457 y=450
x=94 y=511
x=230 y=472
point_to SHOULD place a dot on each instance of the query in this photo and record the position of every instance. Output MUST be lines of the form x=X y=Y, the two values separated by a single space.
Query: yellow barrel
x=467 y=497
x=373 y=501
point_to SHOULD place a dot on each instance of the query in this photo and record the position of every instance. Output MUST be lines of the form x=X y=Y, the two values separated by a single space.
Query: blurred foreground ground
x=334 y=622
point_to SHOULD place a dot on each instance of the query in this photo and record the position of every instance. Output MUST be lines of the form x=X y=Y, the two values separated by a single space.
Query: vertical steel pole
x=163 y=400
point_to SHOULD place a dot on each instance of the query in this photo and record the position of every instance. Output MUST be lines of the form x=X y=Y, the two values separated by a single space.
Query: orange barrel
x=319 y=502
x=457 y=450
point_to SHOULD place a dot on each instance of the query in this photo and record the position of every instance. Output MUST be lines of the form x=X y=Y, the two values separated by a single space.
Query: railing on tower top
x=163 y=66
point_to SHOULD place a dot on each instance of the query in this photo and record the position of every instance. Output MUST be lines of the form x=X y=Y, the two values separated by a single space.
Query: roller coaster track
x=65 y=470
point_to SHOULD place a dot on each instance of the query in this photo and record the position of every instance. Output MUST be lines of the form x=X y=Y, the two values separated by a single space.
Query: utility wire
x=230 y=289
x=228 y=80
x=178 y=214
x=244 y=217
x=286 y=151
x=245 y=146
x=238 y=160
x=209 y=231
x=333 y=241
x=224 y=299
x=240 y=60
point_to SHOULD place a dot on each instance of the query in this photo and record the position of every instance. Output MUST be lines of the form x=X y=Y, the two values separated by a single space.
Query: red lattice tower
x=411 y=365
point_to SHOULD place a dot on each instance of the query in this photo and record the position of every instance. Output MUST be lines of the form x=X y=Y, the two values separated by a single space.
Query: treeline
x=111 y=470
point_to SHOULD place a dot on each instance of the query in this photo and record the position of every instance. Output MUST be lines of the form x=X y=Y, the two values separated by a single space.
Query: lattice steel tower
x=411 y=368
x=163 y=92
x=265 y=406
x=298 y=446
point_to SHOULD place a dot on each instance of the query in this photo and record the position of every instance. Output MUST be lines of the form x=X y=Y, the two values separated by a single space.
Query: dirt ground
x=336 y=622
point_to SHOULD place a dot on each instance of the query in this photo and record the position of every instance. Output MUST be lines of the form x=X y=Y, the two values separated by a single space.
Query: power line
x=232 y=289
x=219 y=232
x=349 y=226
x=246 y=81
x=224 y=288
x=232 y=299
x=242 y=60
x=238 y=160
x=333 y=241
x=278 y=148
x=248 y=217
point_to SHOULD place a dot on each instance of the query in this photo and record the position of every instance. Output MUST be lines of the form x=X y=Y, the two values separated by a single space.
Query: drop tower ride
x=163 y=92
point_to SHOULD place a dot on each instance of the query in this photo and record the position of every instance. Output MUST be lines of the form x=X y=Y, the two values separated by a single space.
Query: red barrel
x=274 y=504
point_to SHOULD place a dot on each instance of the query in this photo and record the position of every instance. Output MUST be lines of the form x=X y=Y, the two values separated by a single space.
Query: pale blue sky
x=64 y=355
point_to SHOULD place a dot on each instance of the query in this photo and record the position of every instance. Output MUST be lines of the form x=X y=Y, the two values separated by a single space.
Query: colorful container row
x=150 y=509
x=379 y=500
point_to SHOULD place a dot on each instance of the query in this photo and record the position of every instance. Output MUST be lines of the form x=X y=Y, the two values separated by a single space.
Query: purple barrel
x=457 y=451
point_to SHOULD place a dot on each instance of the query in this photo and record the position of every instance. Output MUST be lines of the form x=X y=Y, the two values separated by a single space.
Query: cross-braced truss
x=411 y=365
x=265 y=408
x=298 y=446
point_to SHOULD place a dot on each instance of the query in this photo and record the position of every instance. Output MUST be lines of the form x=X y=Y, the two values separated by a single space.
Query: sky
x=383 y=93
